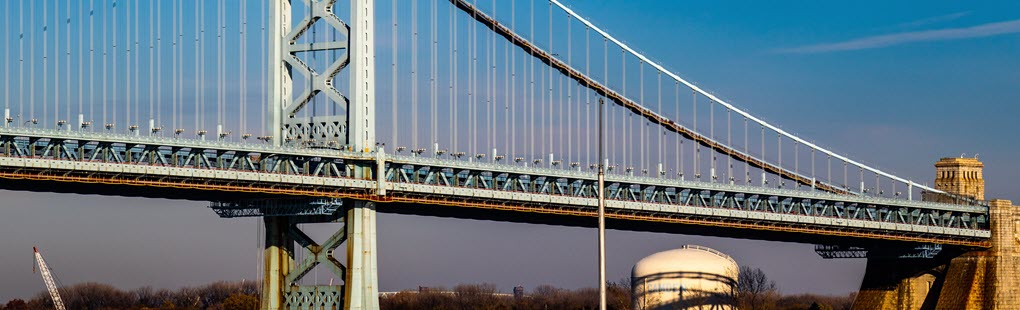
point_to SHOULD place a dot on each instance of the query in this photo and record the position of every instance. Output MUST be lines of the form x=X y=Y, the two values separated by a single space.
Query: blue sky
x=896 y=85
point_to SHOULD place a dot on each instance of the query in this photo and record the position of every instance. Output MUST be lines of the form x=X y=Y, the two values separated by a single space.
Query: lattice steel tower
x=348 y=124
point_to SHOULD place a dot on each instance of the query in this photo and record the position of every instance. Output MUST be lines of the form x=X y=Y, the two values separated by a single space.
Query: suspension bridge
x=329 y=111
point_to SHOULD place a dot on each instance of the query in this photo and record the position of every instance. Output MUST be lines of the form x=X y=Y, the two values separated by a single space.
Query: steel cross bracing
x=311 y=130
x=261 y=168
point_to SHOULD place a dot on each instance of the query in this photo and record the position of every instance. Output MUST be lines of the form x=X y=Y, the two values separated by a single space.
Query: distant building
x=691 y=277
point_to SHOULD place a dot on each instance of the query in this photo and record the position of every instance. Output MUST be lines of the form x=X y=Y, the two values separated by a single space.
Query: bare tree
x=755 y=291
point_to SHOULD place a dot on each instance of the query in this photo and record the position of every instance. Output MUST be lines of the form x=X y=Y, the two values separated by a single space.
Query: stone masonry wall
x=988 y=279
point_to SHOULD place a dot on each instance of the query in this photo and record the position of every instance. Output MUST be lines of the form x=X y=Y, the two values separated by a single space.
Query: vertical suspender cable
x=587 y=97
x=174 y=72
x=453 y=78
x=158 y=99
x=92 y=50
x=137 y=102
x=679 y=138
x=113 y=69
x=433 y=122
x=31 y=68
x=513 y=83
x=45 y=79
x=779 y=153
x=711 y=130
x=414 y=74
x=81 y=60
x=199 y=31
x=127 y=63
x=106 y=14
x=393 y=71
x=508 y=89
x=531 y=85
x=658 y=77
x=180 y=66
x=393 y=83
x=559 y=103
x=550 y=71
x=243 y=102
x=623 y=116
x=152 y=47
x=491 y=81
x=220 y=64
x=67 y=65
x=223 y=64
x=473 y=94
x=747 y=166
x=113 y=54
x=570 y=100
x=605 y=77
x=21 y=60
x=813 y=166
x=265 y=76
x=453 y=61
x=129 y=104
x=471 y=89
x=763 y=180
x=694 y=144
x=796 y=158
x=126 y=98
x=219 y=67
x=56 y=62
x=7 y=65
x=638 y=122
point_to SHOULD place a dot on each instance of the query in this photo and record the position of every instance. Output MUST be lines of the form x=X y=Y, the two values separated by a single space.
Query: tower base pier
x=980 y=279
x=281 y=284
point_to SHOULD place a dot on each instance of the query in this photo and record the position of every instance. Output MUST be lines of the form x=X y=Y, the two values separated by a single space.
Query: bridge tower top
x=960 y=176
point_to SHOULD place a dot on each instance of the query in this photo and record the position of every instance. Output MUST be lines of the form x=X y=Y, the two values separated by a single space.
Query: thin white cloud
x=985 y=30
x=933 y=20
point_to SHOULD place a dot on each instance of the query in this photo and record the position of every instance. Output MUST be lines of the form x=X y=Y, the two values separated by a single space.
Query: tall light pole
x=602 y=219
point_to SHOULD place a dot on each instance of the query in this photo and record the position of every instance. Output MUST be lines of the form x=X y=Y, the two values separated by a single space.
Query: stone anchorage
x=959 y=278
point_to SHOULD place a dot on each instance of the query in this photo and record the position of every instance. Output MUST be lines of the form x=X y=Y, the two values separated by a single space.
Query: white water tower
x=691 y=277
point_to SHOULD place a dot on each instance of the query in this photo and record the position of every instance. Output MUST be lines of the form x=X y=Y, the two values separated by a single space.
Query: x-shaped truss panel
x=317 y=130
x=315 y=296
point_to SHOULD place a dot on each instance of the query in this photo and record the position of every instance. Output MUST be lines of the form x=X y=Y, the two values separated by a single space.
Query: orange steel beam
x=633 y=106
x=368 y=195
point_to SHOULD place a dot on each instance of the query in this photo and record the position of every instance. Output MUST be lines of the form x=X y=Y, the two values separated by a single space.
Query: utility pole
x=602 y=218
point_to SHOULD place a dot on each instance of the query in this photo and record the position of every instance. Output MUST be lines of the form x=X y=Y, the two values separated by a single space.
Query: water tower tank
x=691 y=277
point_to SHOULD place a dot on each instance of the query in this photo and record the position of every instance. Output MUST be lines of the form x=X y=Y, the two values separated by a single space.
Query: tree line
x=97 y=296
x=755 y=291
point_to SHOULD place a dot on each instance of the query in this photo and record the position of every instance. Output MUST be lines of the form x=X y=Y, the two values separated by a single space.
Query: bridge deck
x=157 y=162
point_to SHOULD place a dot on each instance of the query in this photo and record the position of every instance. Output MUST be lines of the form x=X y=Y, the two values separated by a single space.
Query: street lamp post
x=602 y=218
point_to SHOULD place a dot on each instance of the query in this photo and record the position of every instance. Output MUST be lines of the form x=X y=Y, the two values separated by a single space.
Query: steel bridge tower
x=351 y=129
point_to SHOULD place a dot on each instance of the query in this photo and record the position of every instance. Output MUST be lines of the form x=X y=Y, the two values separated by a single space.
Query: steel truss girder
x=407 y=177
